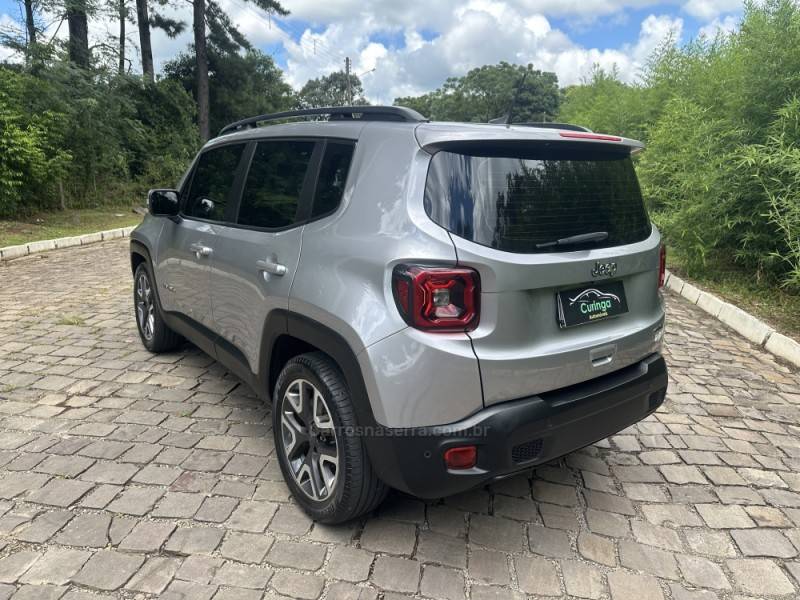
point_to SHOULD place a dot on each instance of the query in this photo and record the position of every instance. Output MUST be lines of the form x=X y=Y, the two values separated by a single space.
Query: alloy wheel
x=309 y=439
x=145 y=306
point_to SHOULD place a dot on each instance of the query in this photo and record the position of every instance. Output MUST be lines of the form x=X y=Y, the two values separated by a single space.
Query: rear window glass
x=526 y=203
x=332 y=177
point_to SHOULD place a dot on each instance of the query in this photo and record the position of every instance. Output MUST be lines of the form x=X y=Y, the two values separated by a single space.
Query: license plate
x=591 y=303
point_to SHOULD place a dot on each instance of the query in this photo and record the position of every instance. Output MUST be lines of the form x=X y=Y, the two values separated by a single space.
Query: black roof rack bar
x=372 y=113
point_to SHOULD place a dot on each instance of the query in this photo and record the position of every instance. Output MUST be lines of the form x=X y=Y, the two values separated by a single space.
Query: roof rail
x=567 y=126
x=370 y=113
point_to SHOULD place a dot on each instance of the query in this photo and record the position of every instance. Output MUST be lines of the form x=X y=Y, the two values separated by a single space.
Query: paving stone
x=763 y=542
x=136 y=501
x=442 y=583
x=341 y=590
x=724 y=517
x=702 y=572
x=216 y=509
x=252 y=516
x=442 y=549
x=178 y=505
x=496 y=533
x=655 y=535
x=582 y=580
x=185 y=590
x=14 y=565
x=239 y=575
x=549 y=542
x=56 y=567
x=286 y=553
x=630 y=586
x=194 y=540
x=396 y=574
x=199 y=569
x=489 y=566
x=759 y=576
x=388 y=536
x=86 y=530
x=537 y=576
x=296 y=585
x=147 y=537
x=351 y=564
x=650 y=560
x=607 y=523
x=597 y=548
x=44 y=526
x=64 y=466
x=108 y=570
x=291 y=520
x=154 y=576
x=246 y=547
x=60 y=492
x=39 y=592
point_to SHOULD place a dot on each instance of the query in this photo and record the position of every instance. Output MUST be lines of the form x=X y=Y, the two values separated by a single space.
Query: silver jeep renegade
x=427 y=306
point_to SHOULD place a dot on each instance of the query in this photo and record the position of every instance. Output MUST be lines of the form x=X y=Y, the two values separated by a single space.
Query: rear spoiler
x=434 y=137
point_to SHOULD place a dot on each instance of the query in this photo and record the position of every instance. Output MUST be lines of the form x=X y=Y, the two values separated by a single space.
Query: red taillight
x=590 y=136
x=662 y=266
x=461 y=457
x=444 y=299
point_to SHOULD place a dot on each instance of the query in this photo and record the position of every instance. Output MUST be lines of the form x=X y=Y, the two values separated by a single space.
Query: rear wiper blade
x=582 y=238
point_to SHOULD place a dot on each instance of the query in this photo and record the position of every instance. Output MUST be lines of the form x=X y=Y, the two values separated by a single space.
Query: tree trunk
x=144 y=40
x=78 y=33
x=123 y=13
x=29 y=24
x=201 y=72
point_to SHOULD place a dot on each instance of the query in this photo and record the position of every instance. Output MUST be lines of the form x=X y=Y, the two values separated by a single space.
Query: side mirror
x=162 y=203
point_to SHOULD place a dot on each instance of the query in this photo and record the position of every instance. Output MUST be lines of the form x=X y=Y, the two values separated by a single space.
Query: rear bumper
x=517 y=435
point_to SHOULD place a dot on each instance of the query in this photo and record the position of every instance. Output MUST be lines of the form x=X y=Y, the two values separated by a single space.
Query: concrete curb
x=11 y=252
x=741 y=322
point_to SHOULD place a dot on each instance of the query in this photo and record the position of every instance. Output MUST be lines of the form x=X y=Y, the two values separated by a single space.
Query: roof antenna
x=506 y=119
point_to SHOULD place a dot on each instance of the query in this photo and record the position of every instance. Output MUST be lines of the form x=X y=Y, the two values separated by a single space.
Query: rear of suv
x=426 y=306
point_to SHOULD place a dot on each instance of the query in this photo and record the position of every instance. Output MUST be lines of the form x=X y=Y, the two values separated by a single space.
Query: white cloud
x=719 y=26
x=707 y=10
x=480 y=32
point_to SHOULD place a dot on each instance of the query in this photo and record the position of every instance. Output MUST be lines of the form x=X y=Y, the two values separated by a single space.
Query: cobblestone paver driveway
x=127 y=475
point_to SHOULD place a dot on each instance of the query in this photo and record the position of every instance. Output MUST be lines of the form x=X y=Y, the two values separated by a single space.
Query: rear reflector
x=461 y=457
x=662 y=266
x=590 y=136
x=443 y=299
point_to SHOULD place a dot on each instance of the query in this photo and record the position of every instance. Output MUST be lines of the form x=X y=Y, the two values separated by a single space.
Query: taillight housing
x=662 y=266
x=441 y=299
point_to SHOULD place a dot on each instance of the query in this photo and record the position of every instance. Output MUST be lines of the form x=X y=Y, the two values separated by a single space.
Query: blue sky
x=410 y=47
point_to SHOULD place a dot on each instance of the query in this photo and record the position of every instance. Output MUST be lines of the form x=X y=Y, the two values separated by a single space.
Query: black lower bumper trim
x=516 y=435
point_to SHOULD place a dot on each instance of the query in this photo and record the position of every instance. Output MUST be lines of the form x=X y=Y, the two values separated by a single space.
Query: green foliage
x=331 y=90
x=240 y=85
x=74 y=139
x=722 y=167
x=487 y=92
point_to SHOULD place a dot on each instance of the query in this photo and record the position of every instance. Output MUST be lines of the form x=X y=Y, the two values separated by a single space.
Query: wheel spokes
x=309 y=439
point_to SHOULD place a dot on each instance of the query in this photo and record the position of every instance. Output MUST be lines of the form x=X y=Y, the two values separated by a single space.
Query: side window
x=272 y=191
x=211 y=185
x=332 y=177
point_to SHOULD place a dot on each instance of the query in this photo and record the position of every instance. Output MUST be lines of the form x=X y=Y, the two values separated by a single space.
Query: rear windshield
x=526 y=203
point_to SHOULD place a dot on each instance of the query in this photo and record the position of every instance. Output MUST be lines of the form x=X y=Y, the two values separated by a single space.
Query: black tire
x=357 y=489
x=161 y=338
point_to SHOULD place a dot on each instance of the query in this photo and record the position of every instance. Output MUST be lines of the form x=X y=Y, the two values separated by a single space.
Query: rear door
x=187 y=243
x=567 y=256
x=257 y=251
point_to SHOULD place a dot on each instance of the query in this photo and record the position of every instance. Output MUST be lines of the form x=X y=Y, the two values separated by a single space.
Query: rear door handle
x=271 y=267
x=201 y=250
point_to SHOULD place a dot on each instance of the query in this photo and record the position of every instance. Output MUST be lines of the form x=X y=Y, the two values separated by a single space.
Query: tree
x=78 y=24
x=240 y=85
x=331 y=90
x=145 y=48
x=208 y=14
x=487 y=93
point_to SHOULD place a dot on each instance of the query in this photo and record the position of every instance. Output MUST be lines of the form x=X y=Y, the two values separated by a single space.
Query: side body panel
x=343 y=282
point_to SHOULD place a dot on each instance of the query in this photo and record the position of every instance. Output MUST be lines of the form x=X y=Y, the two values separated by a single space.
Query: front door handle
x=271 y=267
x=201 y=250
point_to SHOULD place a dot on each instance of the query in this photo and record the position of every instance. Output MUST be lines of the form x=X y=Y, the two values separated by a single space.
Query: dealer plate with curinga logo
x=592 y=303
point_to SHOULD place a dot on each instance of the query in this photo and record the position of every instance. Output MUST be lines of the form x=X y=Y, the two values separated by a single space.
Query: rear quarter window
x=523 y=202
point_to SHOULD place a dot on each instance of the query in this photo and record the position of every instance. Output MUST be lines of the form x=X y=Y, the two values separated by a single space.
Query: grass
x=71 y=320
x=764 y=299
x=65 y=223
